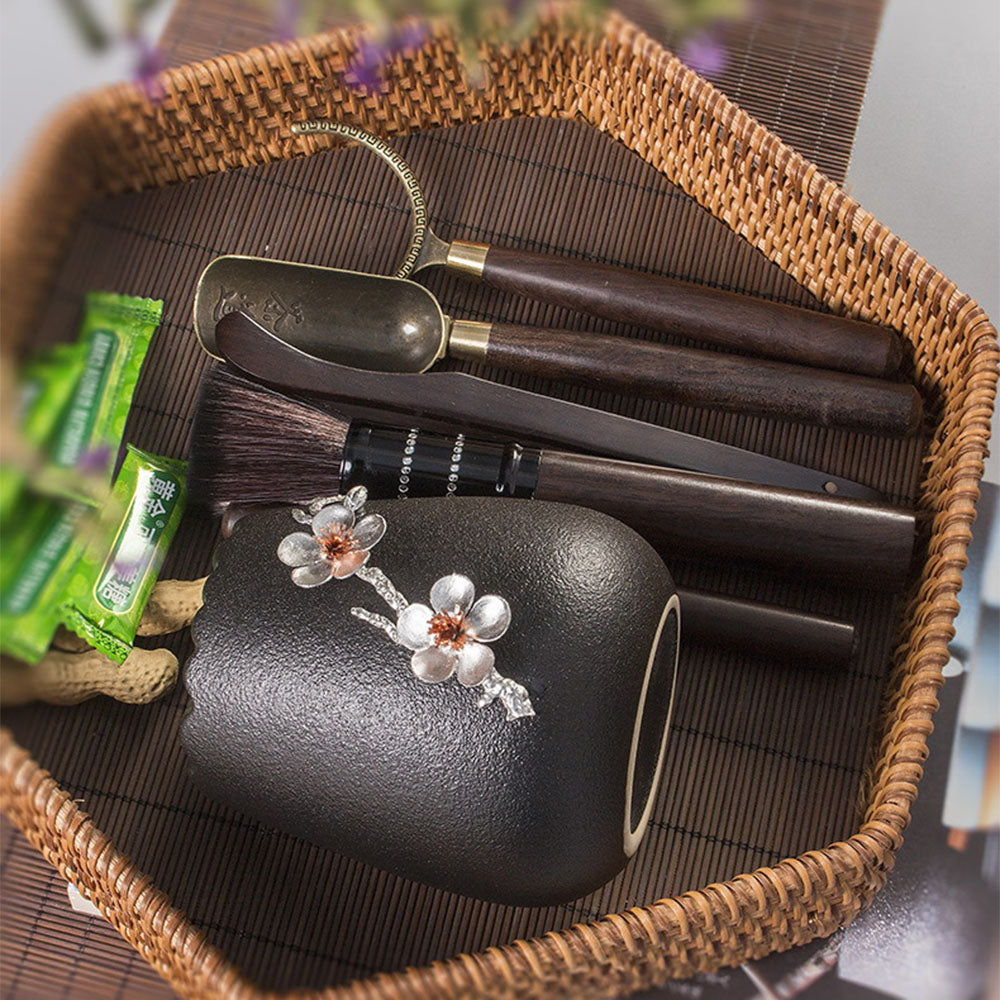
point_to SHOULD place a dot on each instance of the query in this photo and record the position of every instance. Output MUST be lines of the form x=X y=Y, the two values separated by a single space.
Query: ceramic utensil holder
x=311 y=719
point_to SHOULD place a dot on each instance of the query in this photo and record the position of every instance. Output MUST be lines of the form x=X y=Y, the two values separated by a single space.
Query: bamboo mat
x=49 y=950
x=763 y=762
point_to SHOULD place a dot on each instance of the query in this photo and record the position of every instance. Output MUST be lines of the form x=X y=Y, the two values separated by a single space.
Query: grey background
x=927 y=155
x=926 y=160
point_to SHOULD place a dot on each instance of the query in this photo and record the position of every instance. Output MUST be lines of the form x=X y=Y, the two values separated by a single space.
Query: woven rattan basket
x=234 y=111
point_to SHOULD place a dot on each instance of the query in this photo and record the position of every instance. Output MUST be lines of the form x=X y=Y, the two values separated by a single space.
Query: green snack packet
x=112 y=580
x=47 y=384
x=76 y=400
x=12 y=480
x=39 y=555
x=115 y=335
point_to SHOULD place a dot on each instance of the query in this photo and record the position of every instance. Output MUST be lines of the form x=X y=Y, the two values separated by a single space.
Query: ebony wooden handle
x=707 y=378
x=828 y=539
x=725 y=319
x=764 y=630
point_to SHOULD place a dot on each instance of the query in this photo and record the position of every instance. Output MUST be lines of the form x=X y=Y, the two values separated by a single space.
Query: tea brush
x=253 y=445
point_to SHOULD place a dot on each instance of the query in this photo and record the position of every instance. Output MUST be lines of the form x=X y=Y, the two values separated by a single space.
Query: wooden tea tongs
x=448 y=398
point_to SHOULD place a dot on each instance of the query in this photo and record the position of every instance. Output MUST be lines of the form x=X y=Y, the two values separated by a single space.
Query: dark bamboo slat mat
x=765 y=762
x=51 y=952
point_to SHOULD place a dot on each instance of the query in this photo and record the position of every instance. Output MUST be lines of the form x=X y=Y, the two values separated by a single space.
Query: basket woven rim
x=695 y=931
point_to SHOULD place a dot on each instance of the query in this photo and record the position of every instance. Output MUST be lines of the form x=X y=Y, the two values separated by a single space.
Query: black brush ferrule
x=393 y=463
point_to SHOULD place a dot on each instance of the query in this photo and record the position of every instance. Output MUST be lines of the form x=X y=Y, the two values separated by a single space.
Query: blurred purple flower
x=371 y=55
x=411 y=35
x=95 y=462
x=286 y=19
x=374 y=53
x=704 y=52
x=149 y=63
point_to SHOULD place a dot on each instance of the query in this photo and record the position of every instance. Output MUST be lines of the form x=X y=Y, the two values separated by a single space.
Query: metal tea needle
x=426 y=249
x=726 y=319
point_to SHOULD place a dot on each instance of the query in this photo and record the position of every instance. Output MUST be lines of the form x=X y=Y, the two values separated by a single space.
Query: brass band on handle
x=468 y=339
x=467 y=258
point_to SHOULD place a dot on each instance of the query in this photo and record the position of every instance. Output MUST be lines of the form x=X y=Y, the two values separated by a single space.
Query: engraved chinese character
x=165 y=488
x=115 y=591
x=276 y=311
x=230 y=301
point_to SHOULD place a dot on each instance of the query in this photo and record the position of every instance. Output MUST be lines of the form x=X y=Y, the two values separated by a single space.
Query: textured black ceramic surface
x=311 y=721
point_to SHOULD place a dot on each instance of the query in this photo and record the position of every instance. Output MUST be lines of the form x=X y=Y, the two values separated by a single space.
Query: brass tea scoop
x=393 y=325
x=361 y=320
x=728 y=320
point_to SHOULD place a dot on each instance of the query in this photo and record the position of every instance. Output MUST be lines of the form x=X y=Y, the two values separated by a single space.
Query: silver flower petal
x=369 y=530
x=337 y=515
x=357 y=497
x=454 y=591
x=299 y=549
x=475 y=664
x=348 y=564
x=489 y=618
x=433 y=665
x=413 y=625
x=312 y=576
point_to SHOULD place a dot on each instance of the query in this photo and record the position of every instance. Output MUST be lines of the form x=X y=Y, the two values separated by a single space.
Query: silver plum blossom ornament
x=339 y=545
x=449 y=637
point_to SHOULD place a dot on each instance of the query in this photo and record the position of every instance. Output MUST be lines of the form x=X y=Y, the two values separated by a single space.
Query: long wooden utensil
x=766 y=631
x=715 y=317
x=388 y=324
x=455 y=399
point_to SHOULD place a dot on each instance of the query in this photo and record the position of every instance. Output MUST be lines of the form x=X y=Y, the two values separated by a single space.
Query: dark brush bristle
x=252 y=445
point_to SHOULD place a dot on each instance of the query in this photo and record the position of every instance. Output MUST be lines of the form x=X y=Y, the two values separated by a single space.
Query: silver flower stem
x=514 y=698
x=385 y=589
x=379 y=621
x=306 y=554
x=383 y=586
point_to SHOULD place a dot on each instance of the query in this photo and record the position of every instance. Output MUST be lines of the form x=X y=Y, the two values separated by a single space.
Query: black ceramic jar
x=312 y=720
